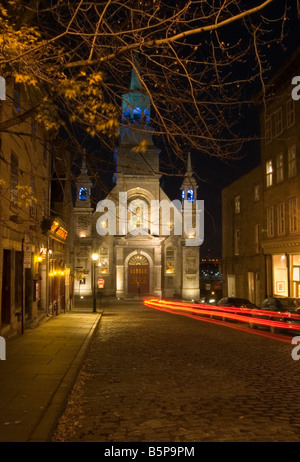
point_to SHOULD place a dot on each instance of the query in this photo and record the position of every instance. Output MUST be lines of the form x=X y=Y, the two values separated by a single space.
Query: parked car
x=236 y=302
x=284 y=305
x=207 y=300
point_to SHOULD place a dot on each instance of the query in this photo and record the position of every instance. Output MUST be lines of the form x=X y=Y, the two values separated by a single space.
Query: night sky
x=212 y=173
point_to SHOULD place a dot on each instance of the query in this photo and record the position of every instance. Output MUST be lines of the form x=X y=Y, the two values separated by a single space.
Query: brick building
x=261 y=228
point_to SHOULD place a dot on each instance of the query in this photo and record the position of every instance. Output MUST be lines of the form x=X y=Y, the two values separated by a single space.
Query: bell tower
x=189 y=186
x=83 y=187
x=136 y=155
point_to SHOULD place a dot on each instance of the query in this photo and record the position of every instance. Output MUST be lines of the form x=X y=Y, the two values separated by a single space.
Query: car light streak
x=228 y=313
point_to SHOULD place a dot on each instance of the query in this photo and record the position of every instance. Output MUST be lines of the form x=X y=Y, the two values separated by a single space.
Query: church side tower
x=190 y=254
x=83 y=233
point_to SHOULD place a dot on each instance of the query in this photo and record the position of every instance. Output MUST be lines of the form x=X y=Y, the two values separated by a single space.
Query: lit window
x=137 y=114
x=170 y=260
x=182 y=195
x=280 y=169
x=290 y=112
x=138 y=214
x=292 y=162
x=83 y=193
x=103 y=260
x=270 y=222
x=126 y=115
x=147 y=116
x=190 y=195
x=278 y=122
x=269 y=173
x=237 y=204
x=293 y=219
x=268 y=130
x=280 y=219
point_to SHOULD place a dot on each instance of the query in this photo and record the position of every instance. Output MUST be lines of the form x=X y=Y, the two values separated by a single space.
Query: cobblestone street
x=151 y=376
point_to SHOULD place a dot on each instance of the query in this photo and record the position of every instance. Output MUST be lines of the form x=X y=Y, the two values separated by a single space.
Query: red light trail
x=230 y=313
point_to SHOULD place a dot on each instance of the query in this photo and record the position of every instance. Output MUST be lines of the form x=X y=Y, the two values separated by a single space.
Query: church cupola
x=136 y=103
x=83 y=187
x=189 y=186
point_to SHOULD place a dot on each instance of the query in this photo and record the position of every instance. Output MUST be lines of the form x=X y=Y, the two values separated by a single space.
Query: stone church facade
x=134 y=231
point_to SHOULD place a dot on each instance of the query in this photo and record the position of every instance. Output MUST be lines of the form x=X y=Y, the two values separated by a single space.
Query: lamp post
x=95 y=257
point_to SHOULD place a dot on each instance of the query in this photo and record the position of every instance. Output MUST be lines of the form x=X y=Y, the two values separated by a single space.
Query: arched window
x=138 y=215
x=170 y=260
x=147 y=116
x=190 y=195
x=83 y=193
x=104 y=260
x=126 y=115
x=137 y=114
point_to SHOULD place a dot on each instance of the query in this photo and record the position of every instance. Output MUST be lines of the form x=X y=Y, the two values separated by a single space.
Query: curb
x=46 y=426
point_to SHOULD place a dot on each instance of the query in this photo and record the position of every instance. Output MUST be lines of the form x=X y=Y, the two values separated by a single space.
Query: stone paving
x=151 y=376
x=38 y=374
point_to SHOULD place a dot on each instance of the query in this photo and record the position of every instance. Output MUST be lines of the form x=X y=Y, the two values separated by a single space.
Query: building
x=134 y=231
x=24 y=207
x=261 y=229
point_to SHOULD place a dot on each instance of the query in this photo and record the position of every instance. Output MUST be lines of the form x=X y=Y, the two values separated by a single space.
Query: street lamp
x=95 y=257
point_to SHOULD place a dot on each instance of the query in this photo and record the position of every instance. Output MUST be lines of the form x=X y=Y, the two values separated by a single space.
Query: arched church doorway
x=138 y=275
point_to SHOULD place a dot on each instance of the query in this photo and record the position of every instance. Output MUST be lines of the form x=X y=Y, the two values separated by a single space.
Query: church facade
x=143 y=244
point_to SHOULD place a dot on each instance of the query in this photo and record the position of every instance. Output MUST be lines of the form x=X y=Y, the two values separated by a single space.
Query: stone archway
x=138 y=281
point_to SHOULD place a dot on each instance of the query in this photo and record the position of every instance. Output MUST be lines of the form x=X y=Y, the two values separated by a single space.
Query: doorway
x=138 y=275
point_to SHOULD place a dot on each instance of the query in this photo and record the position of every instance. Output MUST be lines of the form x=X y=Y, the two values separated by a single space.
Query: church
x=137 y=242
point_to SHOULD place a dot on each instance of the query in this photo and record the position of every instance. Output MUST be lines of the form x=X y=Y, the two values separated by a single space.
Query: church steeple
x=136 y=154
x=83 y=186
x=189 y=186
x=136 y=103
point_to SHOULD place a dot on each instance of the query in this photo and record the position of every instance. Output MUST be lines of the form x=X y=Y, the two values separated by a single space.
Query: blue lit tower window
x=137 y=114
x=126 y=115
x=147 y=116
x=182 y=195
x=83 y=194
x=190 y=195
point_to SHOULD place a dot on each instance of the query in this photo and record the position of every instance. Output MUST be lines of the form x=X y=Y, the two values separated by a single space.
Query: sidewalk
x=39 y=371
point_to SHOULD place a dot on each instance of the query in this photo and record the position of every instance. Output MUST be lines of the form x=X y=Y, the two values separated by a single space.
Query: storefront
x=58 y=295
x=285 y=274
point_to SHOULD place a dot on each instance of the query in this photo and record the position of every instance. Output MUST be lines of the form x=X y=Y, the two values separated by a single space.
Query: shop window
x=280 y=275
x=170 y=260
